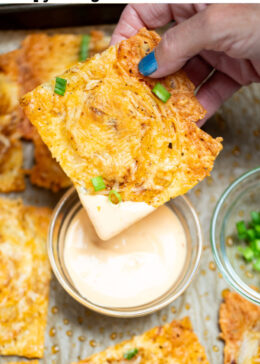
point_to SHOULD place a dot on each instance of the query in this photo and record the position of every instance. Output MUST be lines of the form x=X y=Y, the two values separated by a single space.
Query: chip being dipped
x=110 y=124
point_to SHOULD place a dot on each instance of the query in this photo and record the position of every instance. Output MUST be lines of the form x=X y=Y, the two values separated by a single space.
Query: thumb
x=181 y=43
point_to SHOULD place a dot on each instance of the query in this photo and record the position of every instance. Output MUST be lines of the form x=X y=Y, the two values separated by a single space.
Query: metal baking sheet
x=74 y=332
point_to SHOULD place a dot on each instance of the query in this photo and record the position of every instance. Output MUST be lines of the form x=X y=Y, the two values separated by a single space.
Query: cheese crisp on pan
x=24 y=362
x=24 y=278
x=11 y=162
x=11 y=154
x=171 y=343
x=40 y=58
x=239 y=321
x=109 y=123
x=46 y=172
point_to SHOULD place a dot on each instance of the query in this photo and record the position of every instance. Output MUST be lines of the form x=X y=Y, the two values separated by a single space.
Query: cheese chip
x=11 y=162
x=46 y=172
x=110 y=124
x=24 y=278
x=39 y=58
x=171 y=343
x=239 y=321
x=11 y=154
x=24 y=362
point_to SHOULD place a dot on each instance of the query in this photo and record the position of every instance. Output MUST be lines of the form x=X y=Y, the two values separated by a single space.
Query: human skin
x=220 y=37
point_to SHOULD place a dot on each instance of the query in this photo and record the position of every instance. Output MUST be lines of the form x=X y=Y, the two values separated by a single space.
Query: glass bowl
x=64 y=212
x=236 y=203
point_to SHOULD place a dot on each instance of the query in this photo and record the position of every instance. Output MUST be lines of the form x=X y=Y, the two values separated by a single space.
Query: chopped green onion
x=255 y=216
x=256 y=265
x=251 y=235
x=60 y=86
x=114 y=193
x=98 y=183
x=257 y=231
x=84 y=47
x=255 y=245
x=247 y=253
x=160 y=91
x=130 y=353
x=241 y=229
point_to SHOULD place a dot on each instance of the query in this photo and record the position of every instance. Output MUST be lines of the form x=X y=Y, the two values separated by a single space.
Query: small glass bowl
x=236 y=203
x=64 y=212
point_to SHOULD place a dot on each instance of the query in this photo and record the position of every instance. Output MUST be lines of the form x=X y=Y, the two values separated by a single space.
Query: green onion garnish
x=84 y=47
x=247 y=253
x=241 y=230
x=256 y=265
x=250 y=234
x=160 y=91
x=255 y=245
x=130 y=353
x=60 y=86
x=257 y=230
x=255 y=216
x=116 y=194
x=98 y=183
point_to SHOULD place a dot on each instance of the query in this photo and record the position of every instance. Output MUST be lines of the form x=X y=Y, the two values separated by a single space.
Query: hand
x=224 y=37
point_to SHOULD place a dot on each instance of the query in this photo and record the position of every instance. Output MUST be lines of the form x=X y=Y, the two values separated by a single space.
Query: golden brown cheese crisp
x=171 y=343
x=24 y=362
x=40 y=58
x=46 y=172
x=11 y=165
x=11 y=154
x=110 y=124
x=24 y=278
x=239 y=321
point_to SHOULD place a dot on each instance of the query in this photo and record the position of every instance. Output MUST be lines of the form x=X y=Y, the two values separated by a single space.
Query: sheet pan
x=74 y=332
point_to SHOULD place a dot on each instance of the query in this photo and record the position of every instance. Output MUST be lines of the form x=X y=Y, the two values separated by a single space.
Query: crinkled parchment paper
x=74 y=332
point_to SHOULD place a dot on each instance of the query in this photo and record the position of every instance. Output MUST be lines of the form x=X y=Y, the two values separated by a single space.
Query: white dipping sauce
x=133 y=268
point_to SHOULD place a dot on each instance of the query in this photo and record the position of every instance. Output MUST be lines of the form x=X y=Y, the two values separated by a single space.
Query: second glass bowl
x=236 y=203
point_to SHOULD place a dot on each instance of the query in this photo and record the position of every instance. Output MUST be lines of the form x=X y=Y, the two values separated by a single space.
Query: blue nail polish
x=148 y=64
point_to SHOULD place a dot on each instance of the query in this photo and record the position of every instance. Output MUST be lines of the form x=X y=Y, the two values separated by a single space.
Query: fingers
x=214 y=92
x=177 y=46
x=202 y=31
x=241 y=70
x=137 y=16
x=197 y=70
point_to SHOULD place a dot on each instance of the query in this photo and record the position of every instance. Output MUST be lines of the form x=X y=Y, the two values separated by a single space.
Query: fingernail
x=148 y=64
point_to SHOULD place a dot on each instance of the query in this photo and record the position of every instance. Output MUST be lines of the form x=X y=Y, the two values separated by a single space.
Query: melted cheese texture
x=24 y=278
x=173 y=343
x=110 y=124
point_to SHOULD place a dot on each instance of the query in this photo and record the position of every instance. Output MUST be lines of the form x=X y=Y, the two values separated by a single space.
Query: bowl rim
x=113 y=312
x=226 y=274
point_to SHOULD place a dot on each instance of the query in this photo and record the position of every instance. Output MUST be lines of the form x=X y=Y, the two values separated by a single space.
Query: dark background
x=42 y=16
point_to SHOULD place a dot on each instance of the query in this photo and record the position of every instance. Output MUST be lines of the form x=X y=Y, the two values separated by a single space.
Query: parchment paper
x=80 y=332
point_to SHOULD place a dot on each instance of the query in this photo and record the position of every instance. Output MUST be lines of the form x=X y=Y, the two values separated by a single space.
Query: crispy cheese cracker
x=11 y=154
x=24 y=278
x=239 y=321
x=40 y=57
x=46 y=172
x=171 y=343
x=110 y=124
x=24 y=362
x=11 y=162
